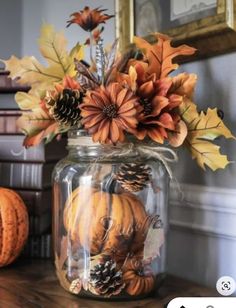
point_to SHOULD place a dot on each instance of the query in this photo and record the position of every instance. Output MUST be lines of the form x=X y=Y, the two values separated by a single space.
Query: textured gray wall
x=10 y=28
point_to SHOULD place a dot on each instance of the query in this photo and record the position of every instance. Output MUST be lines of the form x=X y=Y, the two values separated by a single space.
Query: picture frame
x=210 y=35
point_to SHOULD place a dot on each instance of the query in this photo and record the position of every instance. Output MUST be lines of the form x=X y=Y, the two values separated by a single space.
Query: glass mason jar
x=110 y=220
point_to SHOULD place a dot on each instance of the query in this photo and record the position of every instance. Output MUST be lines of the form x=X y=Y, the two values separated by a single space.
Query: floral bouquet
x=110 y=239
x=115 y=94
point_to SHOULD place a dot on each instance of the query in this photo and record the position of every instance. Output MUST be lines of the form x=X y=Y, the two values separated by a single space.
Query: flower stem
x=91 y=46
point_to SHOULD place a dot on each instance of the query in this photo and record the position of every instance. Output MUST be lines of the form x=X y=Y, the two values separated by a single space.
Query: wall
x=202 y=242
x=203 y=215
x=215 y=88
x=57 y=12
x=203 y=231
x=10 y=29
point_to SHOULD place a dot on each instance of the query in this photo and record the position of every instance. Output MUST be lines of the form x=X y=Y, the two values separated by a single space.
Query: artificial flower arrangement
x=115 y=96
x=117 y=93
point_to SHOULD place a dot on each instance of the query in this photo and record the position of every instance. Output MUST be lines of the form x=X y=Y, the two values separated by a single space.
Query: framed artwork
x=208 y=25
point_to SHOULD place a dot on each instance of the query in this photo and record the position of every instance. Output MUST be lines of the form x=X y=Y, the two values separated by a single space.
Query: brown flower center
x=147 y=106
x=140 y=272
x=110 y=111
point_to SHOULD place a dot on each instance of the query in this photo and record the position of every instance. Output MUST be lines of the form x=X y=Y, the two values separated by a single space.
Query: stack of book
x=27 y=171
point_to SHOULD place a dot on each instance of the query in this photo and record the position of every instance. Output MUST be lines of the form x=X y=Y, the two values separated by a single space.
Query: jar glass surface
x=110 y=220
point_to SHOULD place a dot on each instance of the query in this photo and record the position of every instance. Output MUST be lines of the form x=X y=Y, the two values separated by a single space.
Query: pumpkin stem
x=109 y=182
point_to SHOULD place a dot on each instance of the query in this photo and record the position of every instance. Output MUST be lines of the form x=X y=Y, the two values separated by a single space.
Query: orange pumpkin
x=100 y=221
x=137 y=280
x=14 y=225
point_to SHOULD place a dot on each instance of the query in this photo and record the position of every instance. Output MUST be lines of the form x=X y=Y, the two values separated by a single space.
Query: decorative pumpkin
x=138 y=280
x=14 y=225
x=101 y=221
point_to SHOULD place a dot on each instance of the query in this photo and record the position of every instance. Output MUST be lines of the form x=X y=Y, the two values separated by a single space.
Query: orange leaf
x=48 y=134
x=161 y=54
x=133 y=78
x=70 y=83
x=177 y=138
x=128 y=79
x=37 y=125
x=184 y=84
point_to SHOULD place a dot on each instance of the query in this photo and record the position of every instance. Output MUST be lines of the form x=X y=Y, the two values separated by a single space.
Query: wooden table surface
x=33 y=284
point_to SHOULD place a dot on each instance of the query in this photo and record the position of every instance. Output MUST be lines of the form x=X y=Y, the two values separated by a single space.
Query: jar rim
x=80 y=136
x=75 y=132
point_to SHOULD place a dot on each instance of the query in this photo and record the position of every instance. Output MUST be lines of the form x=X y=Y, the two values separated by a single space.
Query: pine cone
x=76 y=286
x=105 y=279
x=133 y=177
x=65 y=107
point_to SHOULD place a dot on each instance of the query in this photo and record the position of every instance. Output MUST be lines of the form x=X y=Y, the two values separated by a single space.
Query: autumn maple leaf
x=52 y=45
x=203 y=128
x=28 y=70
x=36 y=123
x=161 y=54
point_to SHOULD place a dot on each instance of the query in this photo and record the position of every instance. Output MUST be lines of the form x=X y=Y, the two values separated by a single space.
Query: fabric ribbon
x=160 y=153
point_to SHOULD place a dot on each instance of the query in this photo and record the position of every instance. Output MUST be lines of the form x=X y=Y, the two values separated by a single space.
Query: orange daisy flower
x=157 y=104
x=154 y=117
x=89 y=19
x=109 y=111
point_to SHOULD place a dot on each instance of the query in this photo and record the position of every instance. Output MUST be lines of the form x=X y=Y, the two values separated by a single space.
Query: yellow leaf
x=30 y=71
x=53 y=48
x=207 y=153
x=188 y=110
x=27 y=101
x=27 y=69
x=201 y=128
x=77 y=52
x=32 y=122
x=209 y=126
x=183 y=84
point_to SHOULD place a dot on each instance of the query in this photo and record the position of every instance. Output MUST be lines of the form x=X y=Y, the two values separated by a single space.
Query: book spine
x=38 y=247
x=39 y=224
x=7 y=101
x=12 y=150
x=7 y=85
x=25 y=176
x=8 y=124
x=37 y=202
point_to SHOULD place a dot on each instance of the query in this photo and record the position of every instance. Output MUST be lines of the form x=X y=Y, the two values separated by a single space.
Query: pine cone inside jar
x=64 y=107
x=105 y=279
x=133 y=177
